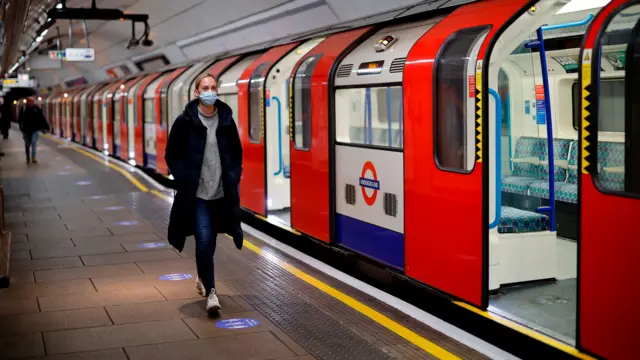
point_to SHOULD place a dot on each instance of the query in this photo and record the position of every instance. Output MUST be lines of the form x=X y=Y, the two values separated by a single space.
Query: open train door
x=251 y=116
x=446 y=150
x=610 y=184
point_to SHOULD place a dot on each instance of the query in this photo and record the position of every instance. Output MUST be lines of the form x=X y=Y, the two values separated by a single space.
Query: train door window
x=618 y=121
x=116 y=111
x=232 y=101
x=256 y=101
x=370 y=116
x=611 y=106
x=301 y=89
x=148 y=110
x=454 y=123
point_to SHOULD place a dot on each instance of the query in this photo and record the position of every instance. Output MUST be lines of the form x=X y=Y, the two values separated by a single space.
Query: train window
x=454 y=115
x=148 y=111
x=618 y=152
x=301 y=91
x=370 y=116
x=256 y=101
x=116 y=111
x=232 y=101
x=611 y=105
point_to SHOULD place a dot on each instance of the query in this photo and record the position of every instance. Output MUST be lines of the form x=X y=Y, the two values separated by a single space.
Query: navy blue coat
x=184 y=156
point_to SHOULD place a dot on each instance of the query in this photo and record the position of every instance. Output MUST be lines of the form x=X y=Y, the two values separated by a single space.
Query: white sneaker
x=200 y=287
x=213 y=304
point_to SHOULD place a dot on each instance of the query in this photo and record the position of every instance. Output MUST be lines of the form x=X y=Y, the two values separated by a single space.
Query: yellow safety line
x=106 y=162
x=529 y=332
x=383 y=320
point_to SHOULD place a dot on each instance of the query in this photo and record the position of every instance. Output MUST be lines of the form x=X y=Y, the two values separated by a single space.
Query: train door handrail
x=551 y=209
x=498 y=215
x=582 y=22
x=389 y=135
x=280 y=167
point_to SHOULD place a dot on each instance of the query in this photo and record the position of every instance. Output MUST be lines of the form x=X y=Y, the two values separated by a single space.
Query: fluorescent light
x=44 y=32
x=580 y=5
x=39 y=98
x=59 y=6
x=38 y=39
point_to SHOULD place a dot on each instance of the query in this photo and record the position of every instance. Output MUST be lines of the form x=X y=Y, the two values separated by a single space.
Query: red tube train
x=496 y=164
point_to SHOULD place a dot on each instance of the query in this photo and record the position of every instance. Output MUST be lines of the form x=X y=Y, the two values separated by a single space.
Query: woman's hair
x=204 y=76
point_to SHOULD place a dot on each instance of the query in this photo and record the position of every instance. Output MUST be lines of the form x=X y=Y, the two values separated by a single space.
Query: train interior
x=277 y=133
x=533 y=260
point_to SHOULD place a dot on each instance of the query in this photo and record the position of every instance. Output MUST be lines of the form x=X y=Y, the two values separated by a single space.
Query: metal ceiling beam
x=14 y=20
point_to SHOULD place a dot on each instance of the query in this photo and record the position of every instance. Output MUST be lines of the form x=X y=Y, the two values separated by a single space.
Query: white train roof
x=228 y=82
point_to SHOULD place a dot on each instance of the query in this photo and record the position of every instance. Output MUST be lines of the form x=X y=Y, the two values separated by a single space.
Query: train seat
x=287 y=171
x=565 y=191
x=611 y=165
x=530 y=166
x=526 y=165
x=514 y=220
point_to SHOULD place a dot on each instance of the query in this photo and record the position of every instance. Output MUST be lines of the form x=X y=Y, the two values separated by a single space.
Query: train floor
x=92 y=277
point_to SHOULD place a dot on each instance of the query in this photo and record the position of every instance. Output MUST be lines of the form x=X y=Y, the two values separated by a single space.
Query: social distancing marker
x=152 y=245
x=127 y=223
x=83 y=182
x=112 y=208
x=233 y=324
x=176 y=277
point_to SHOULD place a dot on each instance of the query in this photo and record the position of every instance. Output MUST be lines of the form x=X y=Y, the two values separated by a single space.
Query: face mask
x=208 y=97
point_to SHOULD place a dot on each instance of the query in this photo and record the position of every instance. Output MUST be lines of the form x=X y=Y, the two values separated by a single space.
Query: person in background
x=32 y=121
x=204 y=155
x=6 y=116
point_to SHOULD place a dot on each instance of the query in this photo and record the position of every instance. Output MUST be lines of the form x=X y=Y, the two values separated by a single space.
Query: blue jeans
x=31 y=143
x=207 y=214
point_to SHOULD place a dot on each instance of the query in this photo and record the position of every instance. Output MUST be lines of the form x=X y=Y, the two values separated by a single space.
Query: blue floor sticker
x=64 y=173
x=97 y=197
x=152 y=245
x=111 y=208
x=127 y=223
x=237 y=323
x=176 y=277
x=83 y=182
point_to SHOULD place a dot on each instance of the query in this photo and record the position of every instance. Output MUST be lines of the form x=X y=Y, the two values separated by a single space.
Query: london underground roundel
x=369 y=183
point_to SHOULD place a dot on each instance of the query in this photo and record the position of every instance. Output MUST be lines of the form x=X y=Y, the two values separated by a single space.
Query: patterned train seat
x=611 y=165
x=514 y=220
x=526 y=165
x=564 y=191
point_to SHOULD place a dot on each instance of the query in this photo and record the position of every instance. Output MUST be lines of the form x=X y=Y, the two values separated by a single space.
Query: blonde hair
x=202 y=77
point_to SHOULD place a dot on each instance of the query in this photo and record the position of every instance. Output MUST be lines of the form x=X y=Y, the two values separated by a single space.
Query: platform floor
x=88 y=254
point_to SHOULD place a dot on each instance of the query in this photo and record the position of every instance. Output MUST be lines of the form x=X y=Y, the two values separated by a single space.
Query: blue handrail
x=400 y=116
x=364 y=119
x=389 y=115
x=275 y=98
x=551 y=209
x=496 y=98
x=370 y=127
x=584 y=21
x=508 y=115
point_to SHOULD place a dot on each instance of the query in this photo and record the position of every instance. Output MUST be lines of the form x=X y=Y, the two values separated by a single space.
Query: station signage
x=80 y=54
x=73 y=54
